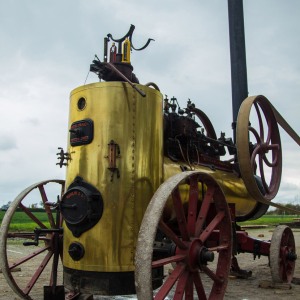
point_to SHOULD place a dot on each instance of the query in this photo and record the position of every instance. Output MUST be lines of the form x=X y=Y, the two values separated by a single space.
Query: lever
x=127 y=80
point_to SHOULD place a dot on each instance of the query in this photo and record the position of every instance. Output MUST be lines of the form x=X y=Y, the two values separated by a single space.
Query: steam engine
x=151 y=196
x=124 y=141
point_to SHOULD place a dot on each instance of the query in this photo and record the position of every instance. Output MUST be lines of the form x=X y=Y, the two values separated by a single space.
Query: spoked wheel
x=259 y=147
x=190 y=211
x=25 y=255
x=282 y=254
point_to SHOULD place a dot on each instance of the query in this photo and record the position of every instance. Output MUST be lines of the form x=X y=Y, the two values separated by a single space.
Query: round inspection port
x=76 y=251
x=81 y=103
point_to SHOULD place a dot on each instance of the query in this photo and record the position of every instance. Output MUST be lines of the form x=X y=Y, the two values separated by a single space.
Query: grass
x=270 y=220
x=21 y=222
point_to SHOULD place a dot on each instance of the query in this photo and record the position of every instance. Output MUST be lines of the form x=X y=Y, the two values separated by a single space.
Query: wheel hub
x=206 y=256
x=198 y=255
x=291 y=255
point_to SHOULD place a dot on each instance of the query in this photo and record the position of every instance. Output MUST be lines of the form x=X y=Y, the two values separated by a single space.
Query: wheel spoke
x=211 y=274
x=256 y=152
x=168 y=260
x=199 y=286
x=28 y=257
x=193 y=200
x=260 y=123
x=256 y=135
x=37 y=273
x=289 y=267
x=189 y=291
x=181 y=285
x=171 y=235
x=178 y=207
x=262 y=175
x=261 y=150
x=283 y=267
x=275 y=159
x=47 y=208
x=204 y=209
x=212 y=226
x=285 y=239
x=32 y=216
x=270 y=133
x=170 y=281
x=219 y=248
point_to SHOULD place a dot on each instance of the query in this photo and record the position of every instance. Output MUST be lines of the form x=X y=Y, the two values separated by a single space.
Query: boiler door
x=81 y=206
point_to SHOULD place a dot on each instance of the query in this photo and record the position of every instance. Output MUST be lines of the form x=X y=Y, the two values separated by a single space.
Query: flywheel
x=259 y=147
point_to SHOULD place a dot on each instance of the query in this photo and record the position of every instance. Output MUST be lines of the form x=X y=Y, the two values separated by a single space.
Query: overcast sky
x=47 y=46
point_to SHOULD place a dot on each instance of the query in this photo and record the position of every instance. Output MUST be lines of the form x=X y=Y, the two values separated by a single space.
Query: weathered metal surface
x=133 y=122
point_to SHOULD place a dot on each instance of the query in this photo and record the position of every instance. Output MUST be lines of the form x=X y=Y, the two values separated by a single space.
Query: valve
x=172 y=104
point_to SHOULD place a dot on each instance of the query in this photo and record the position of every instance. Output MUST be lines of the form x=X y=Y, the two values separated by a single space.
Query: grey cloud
x=7 y=143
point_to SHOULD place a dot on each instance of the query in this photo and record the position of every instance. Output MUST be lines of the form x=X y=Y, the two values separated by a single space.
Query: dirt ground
x=237 y=289
x=248 y=289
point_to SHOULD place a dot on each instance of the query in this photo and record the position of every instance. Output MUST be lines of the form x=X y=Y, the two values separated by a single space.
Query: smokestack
x=239 y=85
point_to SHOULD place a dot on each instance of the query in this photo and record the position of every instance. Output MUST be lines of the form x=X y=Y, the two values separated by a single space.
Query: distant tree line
x=278 y=211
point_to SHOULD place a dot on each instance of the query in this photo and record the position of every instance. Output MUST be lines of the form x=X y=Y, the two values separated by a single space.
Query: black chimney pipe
x=239 y=85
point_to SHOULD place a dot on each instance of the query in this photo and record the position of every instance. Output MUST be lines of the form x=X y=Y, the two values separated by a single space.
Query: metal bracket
x=62 y=156
x=113 y=154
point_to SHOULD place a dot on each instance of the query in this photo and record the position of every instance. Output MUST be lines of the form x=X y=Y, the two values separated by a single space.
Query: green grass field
x=22 y=223
x=270 y=220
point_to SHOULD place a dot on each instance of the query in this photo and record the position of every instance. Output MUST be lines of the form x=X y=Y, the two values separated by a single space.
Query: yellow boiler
x=115 y=166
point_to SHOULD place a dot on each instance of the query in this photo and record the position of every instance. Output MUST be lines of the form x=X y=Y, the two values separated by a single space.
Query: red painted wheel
x=282 y=254
x=19 y=255
x=259 y=147
x=190 y=210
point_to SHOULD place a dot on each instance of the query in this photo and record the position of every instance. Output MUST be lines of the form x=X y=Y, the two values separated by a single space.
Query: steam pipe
x=239 y=85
